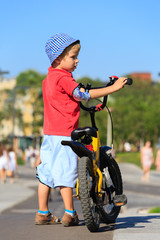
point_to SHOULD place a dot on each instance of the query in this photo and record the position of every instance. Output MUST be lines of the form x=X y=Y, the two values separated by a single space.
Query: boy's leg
x=70 y=217
x=43 y=216
x=66 y=194
x=3 y=175
x=43 y=193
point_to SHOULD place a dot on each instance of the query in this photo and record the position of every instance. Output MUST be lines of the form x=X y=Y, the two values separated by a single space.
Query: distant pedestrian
x=127 y=147
x=157 y=163
x=137 y=146
x=146 y=160
x=27 y=155
x=34 y=153
x=3 y=164
x=12 y=163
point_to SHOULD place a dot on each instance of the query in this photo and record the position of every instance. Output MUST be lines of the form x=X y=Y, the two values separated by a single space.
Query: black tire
x=112 y=185
x=86 y=193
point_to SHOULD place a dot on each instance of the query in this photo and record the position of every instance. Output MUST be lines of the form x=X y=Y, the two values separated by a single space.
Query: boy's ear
x=58 y=60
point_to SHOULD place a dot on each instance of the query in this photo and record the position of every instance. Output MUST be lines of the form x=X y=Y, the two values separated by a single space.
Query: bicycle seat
x=86 y=131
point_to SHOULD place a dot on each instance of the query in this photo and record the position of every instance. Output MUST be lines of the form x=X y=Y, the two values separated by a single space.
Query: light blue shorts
x=59 y=164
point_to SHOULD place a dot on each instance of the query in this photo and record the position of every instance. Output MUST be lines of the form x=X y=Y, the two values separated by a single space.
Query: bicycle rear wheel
x=112 y=186
x=87 y=194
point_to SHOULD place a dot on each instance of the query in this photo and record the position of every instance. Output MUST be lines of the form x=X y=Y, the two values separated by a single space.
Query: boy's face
x=70 y=61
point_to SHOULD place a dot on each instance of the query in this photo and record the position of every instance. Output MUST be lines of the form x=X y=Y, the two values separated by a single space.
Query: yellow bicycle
x=99 y=185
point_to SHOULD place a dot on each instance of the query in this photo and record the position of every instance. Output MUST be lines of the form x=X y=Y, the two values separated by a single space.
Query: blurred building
x=142 y=76
x=7 y=84
x=6 y=125
x=19 y=129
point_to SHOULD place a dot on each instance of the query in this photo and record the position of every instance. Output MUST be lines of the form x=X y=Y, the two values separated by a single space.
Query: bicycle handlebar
x=113 y=79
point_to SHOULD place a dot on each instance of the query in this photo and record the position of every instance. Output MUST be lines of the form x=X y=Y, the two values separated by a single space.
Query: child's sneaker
x=68 y=220
x=42 y=219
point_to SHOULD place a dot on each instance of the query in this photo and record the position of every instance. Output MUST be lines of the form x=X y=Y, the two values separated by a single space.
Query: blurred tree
x=135 y=109
x=33 y=81
x=30 y=78
x=137 y=113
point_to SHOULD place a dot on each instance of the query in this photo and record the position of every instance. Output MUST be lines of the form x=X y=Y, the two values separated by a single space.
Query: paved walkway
x=20 y=190
x=132 y=174
x=136 y=223
x=131 y=224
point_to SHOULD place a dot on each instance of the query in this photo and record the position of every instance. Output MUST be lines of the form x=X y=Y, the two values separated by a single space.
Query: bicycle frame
x=96 y=149
x=82 y=150
x=99 y=184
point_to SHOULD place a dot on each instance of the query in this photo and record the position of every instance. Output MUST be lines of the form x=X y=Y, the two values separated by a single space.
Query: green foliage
x=136 y=113
x=30 y=78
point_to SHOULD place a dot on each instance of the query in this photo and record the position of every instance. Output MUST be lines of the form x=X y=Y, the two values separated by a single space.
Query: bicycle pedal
x=120 y=200
x=75 y=196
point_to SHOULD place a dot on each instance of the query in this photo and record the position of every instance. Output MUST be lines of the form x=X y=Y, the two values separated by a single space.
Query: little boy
x=61 y=97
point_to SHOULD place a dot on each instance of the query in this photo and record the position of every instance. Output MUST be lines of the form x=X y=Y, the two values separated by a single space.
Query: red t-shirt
x=61 y=110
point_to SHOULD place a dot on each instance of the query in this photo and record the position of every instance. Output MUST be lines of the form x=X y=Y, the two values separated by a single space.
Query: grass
x=154 y=210
x=131 y=157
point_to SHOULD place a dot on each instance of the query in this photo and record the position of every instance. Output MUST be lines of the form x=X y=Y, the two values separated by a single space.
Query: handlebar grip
x=113 y=79
x=129 y=81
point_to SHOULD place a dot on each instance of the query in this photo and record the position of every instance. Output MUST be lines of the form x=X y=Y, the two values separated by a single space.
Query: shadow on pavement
x=131 y=222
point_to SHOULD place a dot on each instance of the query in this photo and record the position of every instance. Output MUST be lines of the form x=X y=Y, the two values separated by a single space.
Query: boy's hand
x=119 y=83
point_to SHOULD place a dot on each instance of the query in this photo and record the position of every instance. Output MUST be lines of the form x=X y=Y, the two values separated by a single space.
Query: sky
x=117 y=37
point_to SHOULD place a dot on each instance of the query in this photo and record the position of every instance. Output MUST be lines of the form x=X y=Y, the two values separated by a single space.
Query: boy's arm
x=80 y=94
x=96 y=93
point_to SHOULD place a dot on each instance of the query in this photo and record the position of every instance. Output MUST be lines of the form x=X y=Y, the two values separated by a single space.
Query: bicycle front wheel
x=87 y=194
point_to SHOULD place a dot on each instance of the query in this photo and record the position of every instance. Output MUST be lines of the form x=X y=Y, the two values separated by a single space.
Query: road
x=17 y=222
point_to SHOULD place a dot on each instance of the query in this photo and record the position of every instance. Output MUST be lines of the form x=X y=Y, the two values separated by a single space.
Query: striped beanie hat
x=56 y=45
